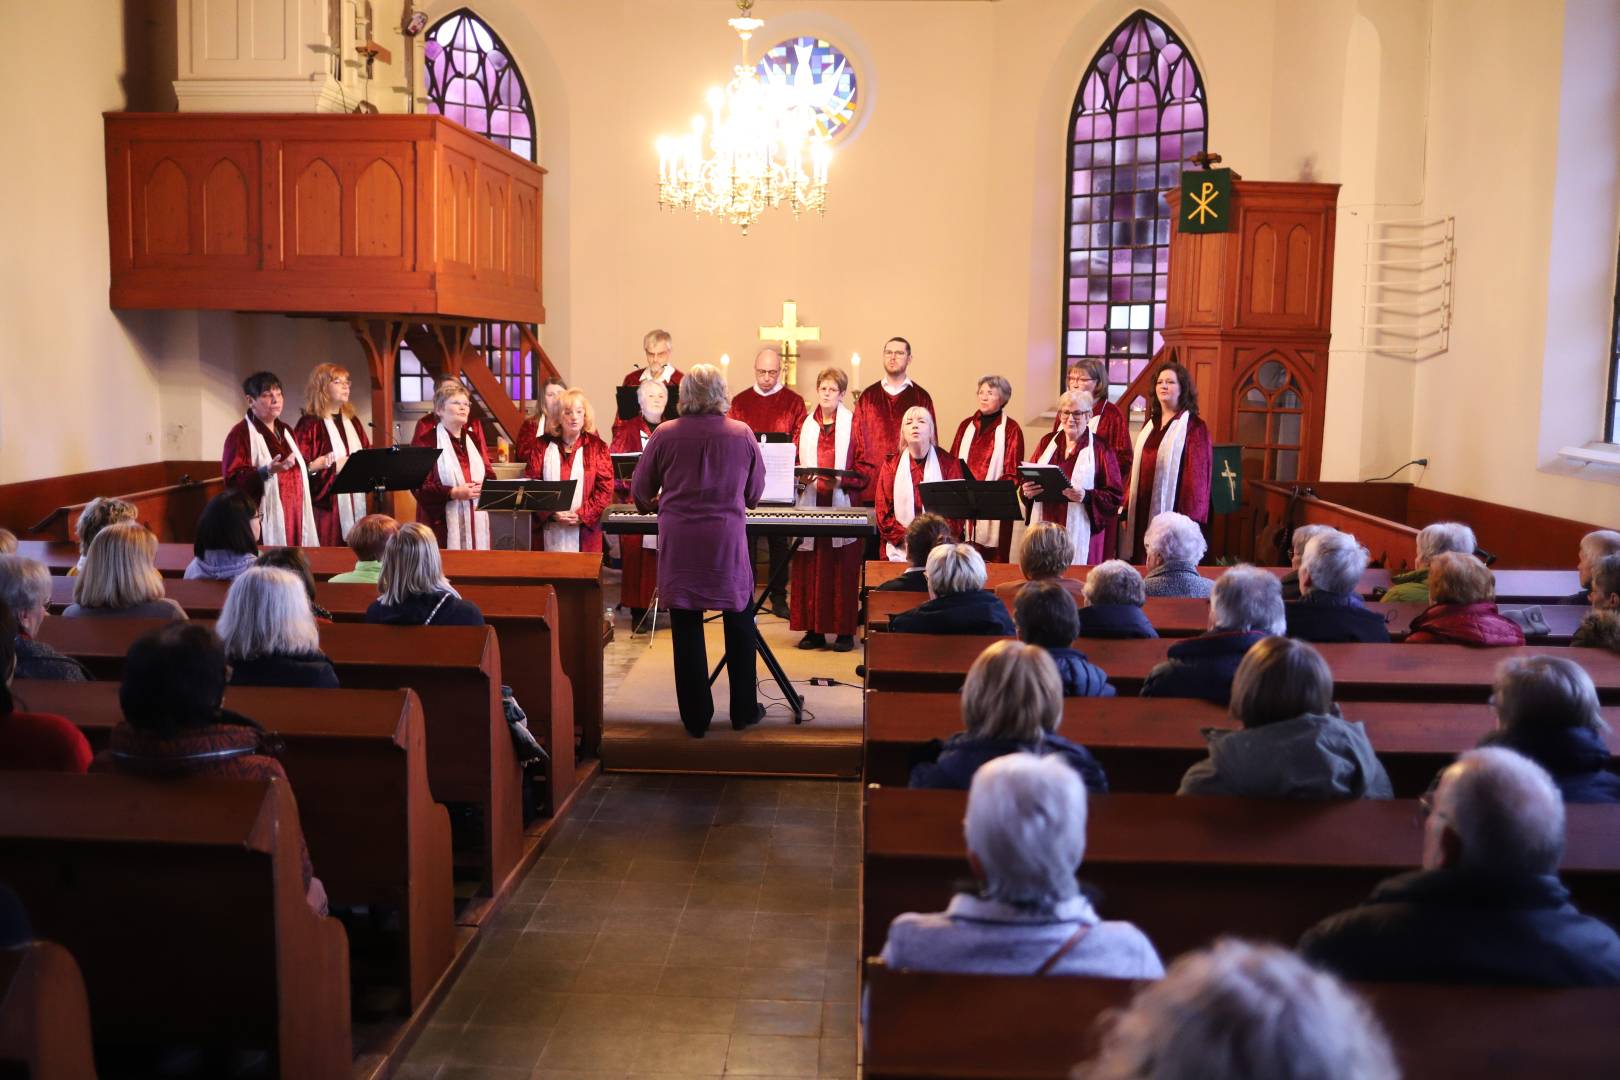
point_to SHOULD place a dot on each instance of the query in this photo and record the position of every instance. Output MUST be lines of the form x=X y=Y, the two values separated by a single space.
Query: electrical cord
x=1423 y=461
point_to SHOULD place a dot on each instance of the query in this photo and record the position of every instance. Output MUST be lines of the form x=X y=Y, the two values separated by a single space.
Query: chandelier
x=763 y=149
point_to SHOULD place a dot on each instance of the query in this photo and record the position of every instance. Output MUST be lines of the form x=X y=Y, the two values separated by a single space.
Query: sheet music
x=780 y=458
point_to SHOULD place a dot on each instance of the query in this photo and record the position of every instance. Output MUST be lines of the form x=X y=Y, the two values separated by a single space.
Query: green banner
x=1226 y=484
x=1206 y=201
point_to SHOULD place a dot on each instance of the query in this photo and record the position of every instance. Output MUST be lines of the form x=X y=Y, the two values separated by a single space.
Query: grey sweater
x=1308 y=757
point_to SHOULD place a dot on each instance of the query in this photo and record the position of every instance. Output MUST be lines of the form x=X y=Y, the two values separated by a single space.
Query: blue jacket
x=960 y=757
x=1201 y=667
x=1575 y=757
x=1115 y=621
x=1081 y=678
x=976 y=612
x=1327 y=617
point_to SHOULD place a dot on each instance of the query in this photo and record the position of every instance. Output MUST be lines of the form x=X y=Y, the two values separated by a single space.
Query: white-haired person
x=1025 y=830
x=825 y=599
x=1046 y=616
x=917 y=461
x=1089 y=501
x=447 y=501
x=991 y=444
x=1172 y=459
x=412 y=589
x=1547 y=709
x=1595 y=545
x=268 y=631
x=572 y=450
x=261 y=457
x=1012 y=702
x=25 y=590
x=120 y=578
x=1239 y=1011
x=1462 y=608
x=1292 y=742
x=1174 y=545
x=1045 y=554
x=958 y=602
x=1301 y=536
x=1329 y=609
x=1114 y=596
x=1487 y=905
x=1107 y=424
x=1412 y=587
x=638 y=554
x=97 y=515
x=701 y=473
x=658 y=348
x=328 y=432
x=1245 y=606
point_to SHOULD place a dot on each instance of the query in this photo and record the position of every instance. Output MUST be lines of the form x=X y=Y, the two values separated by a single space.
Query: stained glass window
x=1269 y=423
x=472 y=80
x=814 y=75
x=1139 y=114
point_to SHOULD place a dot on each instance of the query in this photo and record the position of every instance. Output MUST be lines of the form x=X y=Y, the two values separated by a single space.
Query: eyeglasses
x=1064 y=414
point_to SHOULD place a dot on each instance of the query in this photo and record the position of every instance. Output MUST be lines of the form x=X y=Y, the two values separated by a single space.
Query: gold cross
x=1230 y=477
x=789 y=334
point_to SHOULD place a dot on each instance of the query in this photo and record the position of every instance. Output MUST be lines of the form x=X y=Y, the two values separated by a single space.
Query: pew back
x=44 y=1015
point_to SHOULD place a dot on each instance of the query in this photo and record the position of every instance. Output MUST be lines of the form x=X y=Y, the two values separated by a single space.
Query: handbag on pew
x=528 y=748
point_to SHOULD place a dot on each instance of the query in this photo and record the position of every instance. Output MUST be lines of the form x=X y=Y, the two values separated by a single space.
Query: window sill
x=1592 y=454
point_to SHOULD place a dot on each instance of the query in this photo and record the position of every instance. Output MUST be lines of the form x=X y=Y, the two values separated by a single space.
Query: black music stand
x=794 y=700
x=624 y=466
x=629 y=406
x=526 y=497
x=805 y=473
x=973 y=500
x=384 y=469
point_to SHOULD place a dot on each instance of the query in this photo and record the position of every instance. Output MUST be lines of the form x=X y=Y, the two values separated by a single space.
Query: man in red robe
x=267 y=452
x=880 y=408
x=659 y=348
x=767 y=407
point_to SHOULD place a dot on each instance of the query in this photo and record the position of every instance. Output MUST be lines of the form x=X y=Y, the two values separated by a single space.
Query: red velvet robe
x=978 y=463
x=890 y=529
x=314 y=441
x=527 y=437
x=596 y=481
x=782 y=411
x=237 y=467
x=825 y=593
x=877 y=427
x=640 y=564
x=1101 y=502
x=432 y=497
x=1113 y=429
x=634 y=379
x=1192 y=486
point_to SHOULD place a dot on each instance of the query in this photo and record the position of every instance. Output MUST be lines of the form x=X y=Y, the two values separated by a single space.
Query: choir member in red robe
x=1173 y=459
x=991 y=444
x=572 y=450
x=538 y=422
x=880 y=407
x=262 y=450
x=447 y=501
x=659 y=349
x=327 y=433
x=768 y=407
x=638 y=555
x=1095 y=488
x=1108 y=424
x=827 y=570
x=919 y=460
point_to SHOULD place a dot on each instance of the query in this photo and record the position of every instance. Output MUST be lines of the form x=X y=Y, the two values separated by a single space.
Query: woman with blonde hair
x=269 y=634
x=915 y=462
x=572 y=450
x=1462 y=608
x=121 y=579
x=327 y=433
x=97 y=515
x=412 y=589
x=825 y=598
x=447 y=501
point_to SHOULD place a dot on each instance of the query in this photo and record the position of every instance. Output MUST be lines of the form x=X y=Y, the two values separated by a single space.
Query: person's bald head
x=1496 y=811
x=767 y=369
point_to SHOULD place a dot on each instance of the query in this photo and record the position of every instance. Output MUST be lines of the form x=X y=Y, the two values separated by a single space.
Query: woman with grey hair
x=447 y=501
x=1301 y=537
x=269 y=634
x=958 y=602
x=1547 y=709
x=1330 y=610
x=1026 y=835
x=1090 y=498
x=1114 y=597
x=1437 y=539
x=991 y=444
x=1175 y=544
x=412 y=589
x=25 y=588
x=638 y=554
x=1245 y=606
x=1237 y=1011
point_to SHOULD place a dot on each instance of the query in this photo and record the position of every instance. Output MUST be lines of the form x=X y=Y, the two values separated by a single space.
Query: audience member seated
x=269 y=632
x=33 y=741
x=1175 y=544
x=1045 y=553
x=97 y=515
x=957 y=600
x=1547 y=710
x=8 y=542
x=175 y=726
x=1487 y=907
x=1598 y=630
x=1046 y=616
x=1594 y=546
x=1114 y=598
x=1433 y=540
x=121 y=579
x=1238 y=1011
x=1245 y=607
x=1012 y=702
x=1603 y=587
x=368 y=539
x=412 y=589
x=295 y=562
x=25 y=589
x=227 y=538
x=1301 y=537
x=1463 y=611
x=924 y=534
x=1293 y=743
x=1026 y=835
x=1330 y=610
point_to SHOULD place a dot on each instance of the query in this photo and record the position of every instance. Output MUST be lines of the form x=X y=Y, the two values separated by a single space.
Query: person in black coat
x=1547 y=709
x=924 y=534
x=1046 y=616
x=269 y=632
x=1114 y=598
x=958 y=602
x=412 y=589
x=1244 y=608
x=1329 y=609
x=1487 y=907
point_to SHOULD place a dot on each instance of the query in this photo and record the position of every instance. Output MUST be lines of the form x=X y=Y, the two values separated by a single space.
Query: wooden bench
x=1145 y=744
x=877 y=571
x=1008 y=1027
x=184 y=905
x=1187 y=870
x=44 y=1015
x=357 y=762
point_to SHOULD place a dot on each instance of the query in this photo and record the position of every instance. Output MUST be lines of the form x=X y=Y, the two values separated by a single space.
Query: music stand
x=624 y=466
x=384 y=469
x=629 y=406
x=525 y=497
x=973 y=500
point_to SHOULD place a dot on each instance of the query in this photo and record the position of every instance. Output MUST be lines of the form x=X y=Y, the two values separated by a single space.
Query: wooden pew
x=455 y=670
x=357 y=762
x=1457 y=673
x=1187 y=870
x=44 y=1015
x=27 y=502
x=1145 y=744
x=922 y=1024
x=184 y=906
x=877 y=571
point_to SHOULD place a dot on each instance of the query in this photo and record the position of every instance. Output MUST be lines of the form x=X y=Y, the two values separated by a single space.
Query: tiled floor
x=677 y=927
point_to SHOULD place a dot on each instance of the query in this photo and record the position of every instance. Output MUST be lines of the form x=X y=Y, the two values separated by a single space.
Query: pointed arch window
x=472 y=79
x=1270 y=422
x=1139 y=114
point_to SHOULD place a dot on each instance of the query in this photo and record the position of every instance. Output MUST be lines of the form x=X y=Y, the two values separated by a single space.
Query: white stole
x=809 y=458
x=1166 y=474
x=1083 y=478
x=554 y=534
x=649 y=542
x=350 y=508
x=465 y=528
x=988 y=533
x=274 y=526
x=905 y=499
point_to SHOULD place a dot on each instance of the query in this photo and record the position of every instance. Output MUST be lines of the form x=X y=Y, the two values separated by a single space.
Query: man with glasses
x=659 y=349
x=881 y=407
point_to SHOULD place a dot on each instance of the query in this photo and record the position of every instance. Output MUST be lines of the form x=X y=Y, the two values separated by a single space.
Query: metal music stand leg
x=794 y=699
x=650 y=621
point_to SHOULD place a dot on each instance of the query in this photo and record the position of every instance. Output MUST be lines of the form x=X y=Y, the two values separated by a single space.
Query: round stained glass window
x=813 y=75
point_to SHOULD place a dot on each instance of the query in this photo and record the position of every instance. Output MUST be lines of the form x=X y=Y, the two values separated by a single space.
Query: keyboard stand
x=794 y=699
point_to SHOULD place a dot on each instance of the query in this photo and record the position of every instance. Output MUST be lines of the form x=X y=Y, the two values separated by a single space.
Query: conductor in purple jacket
x=700 y=473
